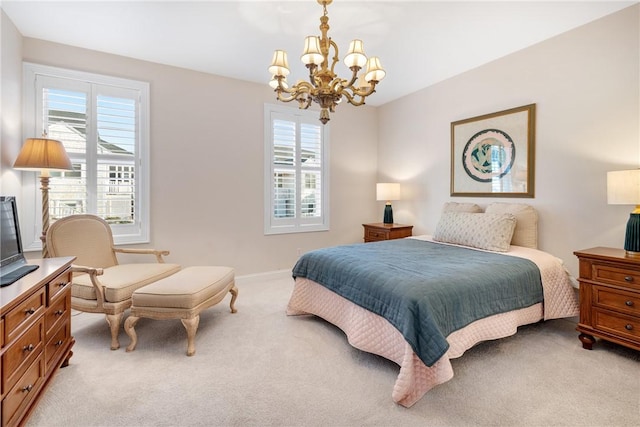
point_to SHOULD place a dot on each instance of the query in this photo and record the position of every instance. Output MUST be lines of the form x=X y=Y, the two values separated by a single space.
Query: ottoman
x=183 y=296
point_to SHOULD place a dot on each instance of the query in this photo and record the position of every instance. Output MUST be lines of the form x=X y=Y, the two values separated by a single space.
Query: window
x=103 y=124
x=296 y=171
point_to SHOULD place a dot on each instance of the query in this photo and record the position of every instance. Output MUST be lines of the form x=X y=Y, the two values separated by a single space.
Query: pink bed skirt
x=372 y=333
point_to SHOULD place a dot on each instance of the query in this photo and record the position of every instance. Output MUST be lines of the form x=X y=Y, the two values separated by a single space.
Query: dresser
x=380 y=231
x=609 y=297
x=35 y=335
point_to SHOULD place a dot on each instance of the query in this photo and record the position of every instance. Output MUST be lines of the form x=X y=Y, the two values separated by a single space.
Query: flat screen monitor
x=10 y=241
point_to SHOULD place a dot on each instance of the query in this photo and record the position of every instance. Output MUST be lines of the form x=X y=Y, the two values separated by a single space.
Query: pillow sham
x=526 y=231
x=489 y=231
x=461 y=207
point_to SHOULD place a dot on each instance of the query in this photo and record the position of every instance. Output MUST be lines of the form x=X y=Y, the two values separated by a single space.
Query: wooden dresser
x=609 y=297
x=35 y=335
x=380 y=231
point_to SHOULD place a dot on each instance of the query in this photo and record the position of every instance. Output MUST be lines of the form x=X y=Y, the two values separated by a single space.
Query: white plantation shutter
x=296 y=171
x=103 y=125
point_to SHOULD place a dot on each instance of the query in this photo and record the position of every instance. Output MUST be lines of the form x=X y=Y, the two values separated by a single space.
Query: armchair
x=100 y=283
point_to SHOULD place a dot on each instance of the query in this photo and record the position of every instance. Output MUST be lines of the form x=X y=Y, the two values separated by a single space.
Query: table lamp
x=388 y=191
x=44 y=155
x=623 y=188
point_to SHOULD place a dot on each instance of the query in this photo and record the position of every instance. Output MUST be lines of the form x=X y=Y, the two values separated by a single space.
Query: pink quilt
x=372 y=333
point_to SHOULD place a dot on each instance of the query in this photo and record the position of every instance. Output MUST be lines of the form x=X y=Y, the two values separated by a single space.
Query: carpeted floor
x=259 y=367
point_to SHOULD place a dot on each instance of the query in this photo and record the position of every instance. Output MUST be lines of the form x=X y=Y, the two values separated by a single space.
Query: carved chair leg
x=129 y=328
x=191 y=325
x=234 y=296
x=114 y=321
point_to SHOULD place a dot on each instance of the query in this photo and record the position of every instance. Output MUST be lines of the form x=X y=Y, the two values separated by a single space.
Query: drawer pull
x=29 y=347
x=27 y=388
x=30 y=311
x=59 y=343
x=629 y=303
x=628 y=327
x=59 y=312
x=628 y=278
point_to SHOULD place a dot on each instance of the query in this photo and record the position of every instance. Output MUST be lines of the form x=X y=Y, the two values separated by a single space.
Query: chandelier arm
x=364 y=93
x=351 y=98
x=354 y=77
x=336 y=59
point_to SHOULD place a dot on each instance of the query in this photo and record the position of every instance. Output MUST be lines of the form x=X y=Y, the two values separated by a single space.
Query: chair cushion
x=121 y=280
x=185 y=289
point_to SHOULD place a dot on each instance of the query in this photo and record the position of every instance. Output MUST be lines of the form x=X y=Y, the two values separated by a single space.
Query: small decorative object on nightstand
x=609 y=297
x=380 y=231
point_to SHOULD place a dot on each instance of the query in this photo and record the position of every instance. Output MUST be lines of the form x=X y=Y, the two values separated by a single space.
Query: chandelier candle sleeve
x=324 y=87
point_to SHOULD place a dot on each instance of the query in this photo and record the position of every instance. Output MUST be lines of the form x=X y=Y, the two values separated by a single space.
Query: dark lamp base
x=632 y=238
x=388 y=214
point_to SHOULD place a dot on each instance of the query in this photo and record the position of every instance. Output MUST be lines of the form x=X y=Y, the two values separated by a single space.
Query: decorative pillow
x=489 y=231
x=461 y=207
x=526 y=232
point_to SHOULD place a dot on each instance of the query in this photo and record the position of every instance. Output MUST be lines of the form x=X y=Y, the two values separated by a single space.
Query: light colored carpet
x=259 y=367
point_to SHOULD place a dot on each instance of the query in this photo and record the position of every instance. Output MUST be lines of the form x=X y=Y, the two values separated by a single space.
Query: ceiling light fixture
x=324 y=86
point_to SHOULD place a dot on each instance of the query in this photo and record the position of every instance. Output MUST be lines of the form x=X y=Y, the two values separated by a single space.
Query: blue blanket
x=426 y=290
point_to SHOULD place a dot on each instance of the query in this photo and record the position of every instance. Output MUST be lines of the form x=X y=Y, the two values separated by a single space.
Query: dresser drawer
x=56 y=344
x=21 y=353
x=620 y=276
x=617 y=300
x=618 y=324
x=58 y=284
x=57 y=312
x=22 y=316
x=24 y=391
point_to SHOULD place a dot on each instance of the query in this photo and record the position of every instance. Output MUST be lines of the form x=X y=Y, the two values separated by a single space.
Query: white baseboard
x=261 y=277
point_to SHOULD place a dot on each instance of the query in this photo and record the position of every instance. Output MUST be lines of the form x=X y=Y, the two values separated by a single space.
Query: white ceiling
x=419 y=42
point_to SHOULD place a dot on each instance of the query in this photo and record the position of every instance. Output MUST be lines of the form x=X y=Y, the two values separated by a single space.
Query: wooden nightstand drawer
x=376 y=235
x=618 y=324
x=613 y=299
x=376 y=232
x=616 y=276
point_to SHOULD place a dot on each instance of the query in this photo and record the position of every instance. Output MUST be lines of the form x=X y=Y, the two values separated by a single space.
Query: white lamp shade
x=623 y=187
x=355 y=56
x=387 y=191
x=312 y=53
x=374 y=72
x=279 y=65
x=38 y=154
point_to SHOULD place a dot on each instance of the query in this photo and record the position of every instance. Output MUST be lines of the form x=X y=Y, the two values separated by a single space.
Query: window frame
x=31 y=206
x=296 y=224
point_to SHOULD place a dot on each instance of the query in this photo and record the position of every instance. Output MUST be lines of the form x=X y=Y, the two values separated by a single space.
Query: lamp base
x=632 y=237
x=388 y=214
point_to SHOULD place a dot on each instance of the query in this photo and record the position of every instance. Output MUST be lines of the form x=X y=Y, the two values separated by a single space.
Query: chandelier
x=324 y=86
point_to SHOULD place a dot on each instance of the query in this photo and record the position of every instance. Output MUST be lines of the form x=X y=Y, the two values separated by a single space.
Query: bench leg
x=114 y=321
x=129 y=328
x=234 y=296
x=191 y=325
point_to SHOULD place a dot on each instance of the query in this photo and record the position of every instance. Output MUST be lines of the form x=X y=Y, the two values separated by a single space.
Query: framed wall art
x=494 y=155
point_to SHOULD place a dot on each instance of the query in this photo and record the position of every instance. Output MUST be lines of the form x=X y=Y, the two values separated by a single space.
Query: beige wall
x=207 y=139
x=585 y=84
x=11 y=105
x=207 y=163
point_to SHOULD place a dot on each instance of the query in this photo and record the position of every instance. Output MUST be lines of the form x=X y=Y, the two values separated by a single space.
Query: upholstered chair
x=100 y=283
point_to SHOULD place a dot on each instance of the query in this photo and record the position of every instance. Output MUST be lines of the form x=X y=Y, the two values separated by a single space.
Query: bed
x=424 y=300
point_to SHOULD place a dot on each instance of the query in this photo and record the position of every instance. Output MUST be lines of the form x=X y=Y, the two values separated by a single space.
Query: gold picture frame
x=494 y=155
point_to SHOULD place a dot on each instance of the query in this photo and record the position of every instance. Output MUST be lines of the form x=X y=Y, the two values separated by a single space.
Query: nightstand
x=609 y=297
x=375 y=232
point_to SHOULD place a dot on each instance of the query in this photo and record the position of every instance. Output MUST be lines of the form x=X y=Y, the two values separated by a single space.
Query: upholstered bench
x=183 y=296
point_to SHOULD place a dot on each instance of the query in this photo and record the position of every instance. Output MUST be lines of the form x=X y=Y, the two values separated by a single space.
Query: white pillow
x=461 y=207
x=489 y=231
x=526 y=232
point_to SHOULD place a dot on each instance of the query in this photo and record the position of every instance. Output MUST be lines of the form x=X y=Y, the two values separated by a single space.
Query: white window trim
x=297 y=226
x=31 y=203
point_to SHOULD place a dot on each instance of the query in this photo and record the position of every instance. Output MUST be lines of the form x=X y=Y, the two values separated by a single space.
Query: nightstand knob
x=628 y=327
x=629 y=303
x=628 y=278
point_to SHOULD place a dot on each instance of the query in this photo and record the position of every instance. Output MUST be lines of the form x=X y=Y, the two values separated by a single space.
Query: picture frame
x=493 y=155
